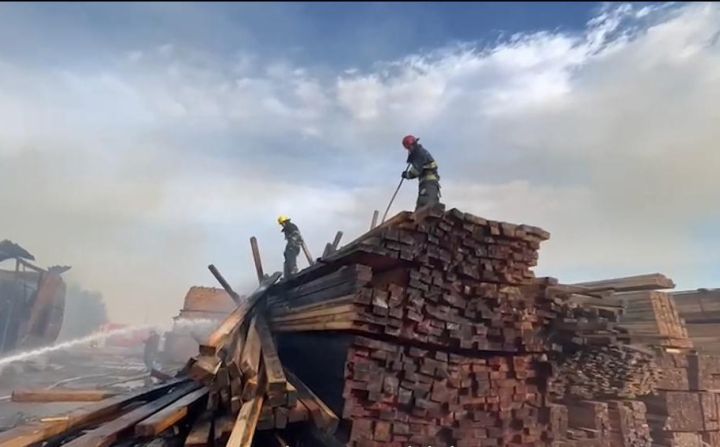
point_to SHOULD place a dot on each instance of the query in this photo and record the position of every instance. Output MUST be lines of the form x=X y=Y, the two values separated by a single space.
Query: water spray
x=95 y=336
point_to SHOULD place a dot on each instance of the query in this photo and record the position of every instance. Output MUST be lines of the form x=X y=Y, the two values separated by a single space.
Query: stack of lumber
x=589 y=423
x=403 y=395
x=598 y=374
x=628 y=424
x=444 y=332
x=584 y=320
x=450 y=279
x=701 y=311
x=613 y=423
x=651 y=318
x=672 y=414
x=614 y=371
x=430 y=329
x=688 y=371
x=685 y=400
x=427 y=397
x=594 y=362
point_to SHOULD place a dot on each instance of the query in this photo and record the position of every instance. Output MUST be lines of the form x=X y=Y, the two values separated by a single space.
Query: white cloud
x=146 y=171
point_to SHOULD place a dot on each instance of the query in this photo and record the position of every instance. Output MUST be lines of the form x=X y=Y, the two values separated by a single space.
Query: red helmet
x=409 y=141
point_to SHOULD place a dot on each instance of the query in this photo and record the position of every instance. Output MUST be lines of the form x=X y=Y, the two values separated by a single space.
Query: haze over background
x=141 y=142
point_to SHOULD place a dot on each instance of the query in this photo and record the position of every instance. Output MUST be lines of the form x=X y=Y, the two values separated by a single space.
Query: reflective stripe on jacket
x=422 y=165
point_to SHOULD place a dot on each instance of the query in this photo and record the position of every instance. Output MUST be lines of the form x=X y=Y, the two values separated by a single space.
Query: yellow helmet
x=283 y=219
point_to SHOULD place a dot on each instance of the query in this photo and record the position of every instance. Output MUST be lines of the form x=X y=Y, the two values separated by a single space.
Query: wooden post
x=307 y=253
x=224 y=284
x=376 y=214
x=256 y=258
x=336 y=242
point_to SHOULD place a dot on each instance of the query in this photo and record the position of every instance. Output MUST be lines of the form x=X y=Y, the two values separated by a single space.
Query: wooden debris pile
x=107 y=421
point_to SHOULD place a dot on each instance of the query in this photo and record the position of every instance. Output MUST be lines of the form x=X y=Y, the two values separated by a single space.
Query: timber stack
x=431 y=329
x=700 y=309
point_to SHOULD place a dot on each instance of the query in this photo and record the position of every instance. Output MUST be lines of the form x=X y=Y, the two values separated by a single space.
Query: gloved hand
x=404 y=175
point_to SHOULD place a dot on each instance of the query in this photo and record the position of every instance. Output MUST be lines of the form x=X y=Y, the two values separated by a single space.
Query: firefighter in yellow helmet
x=292 y=248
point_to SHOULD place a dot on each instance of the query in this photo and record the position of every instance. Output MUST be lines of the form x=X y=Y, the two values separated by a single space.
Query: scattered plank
x=170 y=415
x=250 y=363
x=199 y=435
x=60 y=395
x=37 y=432
x=275 y=377
x=106 y=434
x=216 y=273
x=322 y=415
x=247 y=419
x=219 y=337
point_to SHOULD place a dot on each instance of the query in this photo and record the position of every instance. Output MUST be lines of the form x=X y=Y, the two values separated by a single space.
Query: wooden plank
x=653 y=281
x=216 y=273
x=236 y=356
x=336 y=241
x=199 y=435
x=257 y=259
x=275 y=377
x=59 y=395
x=291 y=393
x=327 y=326
x=373 y=222
x=219 y=337
x=222 y=428
x=322 y=415
x=247 y=419
x=307 y=252
x=108 y=433
x=250 y=363
x=37 y=432
x=170 y=415
x=298 y=413
x=204 y=368
x=280 y=311
x=318 y=312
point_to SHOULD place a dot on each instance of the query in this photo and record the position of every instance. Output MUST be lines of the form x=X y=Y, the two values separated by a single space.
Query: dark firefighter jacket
x=292 y=233
x=422 y=165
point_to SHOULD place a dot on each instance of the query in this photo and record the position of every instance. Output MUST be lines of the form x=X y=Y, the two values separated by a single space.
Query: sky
x=141 y=142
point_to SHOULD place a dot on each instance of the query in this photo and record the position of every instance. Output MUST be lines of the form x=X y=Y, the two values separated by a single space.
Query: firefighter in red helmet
x=424 y=168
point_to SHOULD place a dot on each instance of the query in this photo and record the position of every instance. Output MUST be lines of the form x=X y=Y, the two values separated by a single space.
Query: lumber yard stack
x=432 y=330
x=700 y=309
x=685 y=409
x=428 y=330
x=598 y=375
x=674 y=404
